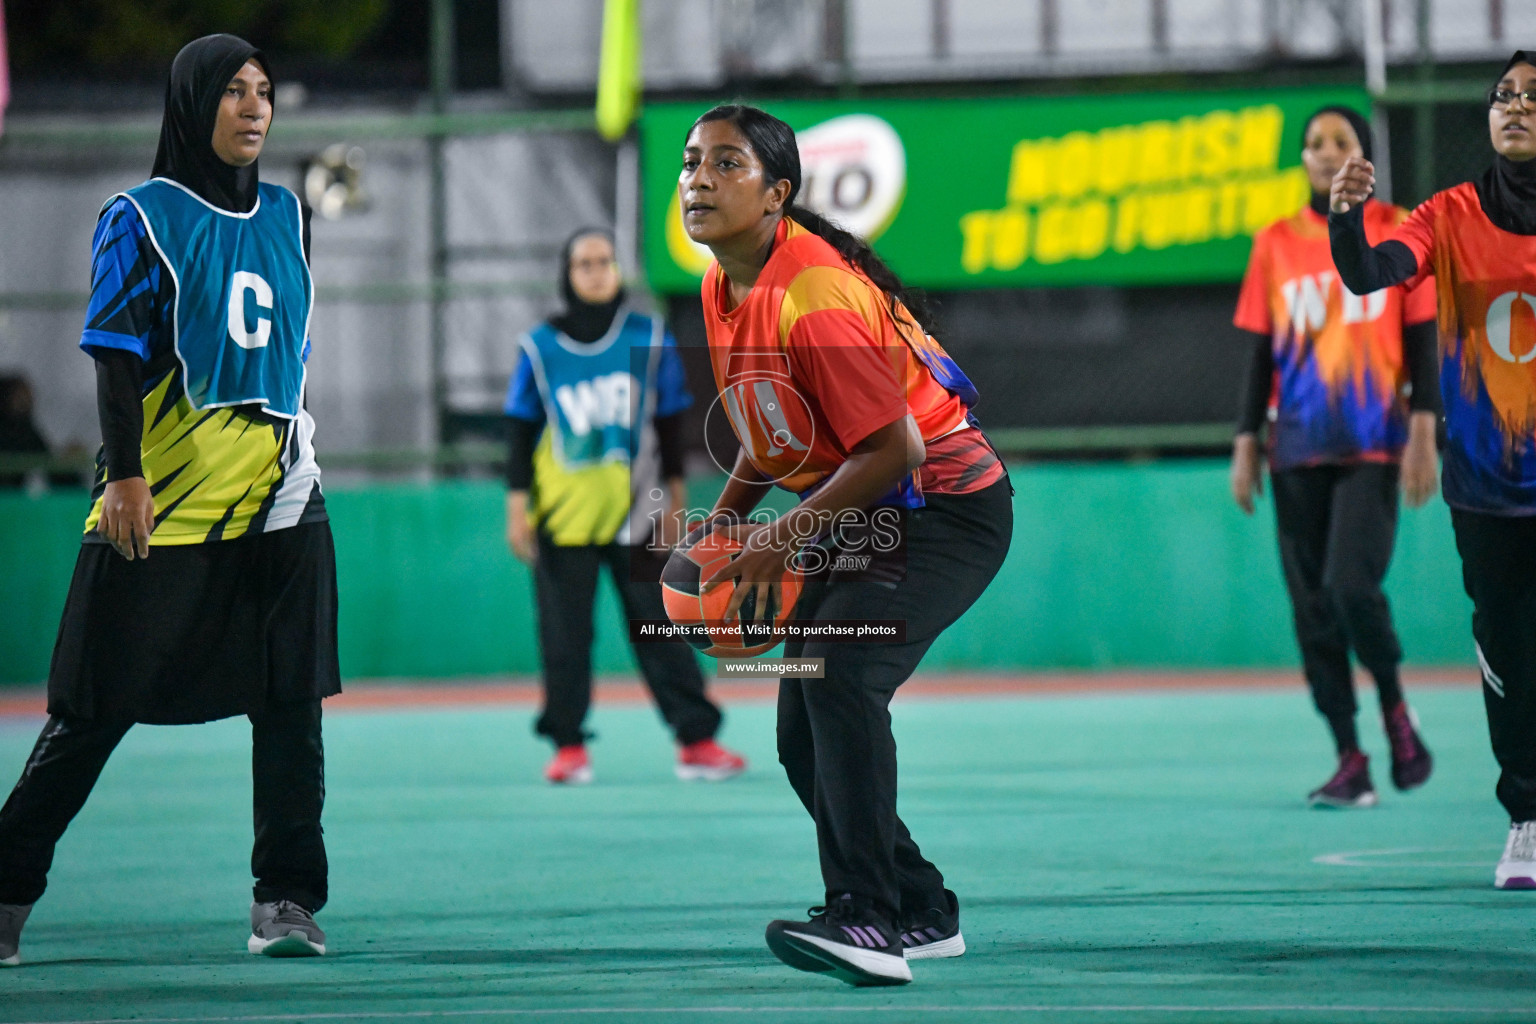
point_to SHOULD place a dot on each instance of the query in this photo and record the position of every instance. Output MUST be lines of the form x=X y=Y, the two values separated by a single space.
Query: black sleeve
x=669 y=439
x=307 y=212
x=120 y=407
x=522 y=438
x=1257 y=384
x=1421 y=355
x=1365 y=268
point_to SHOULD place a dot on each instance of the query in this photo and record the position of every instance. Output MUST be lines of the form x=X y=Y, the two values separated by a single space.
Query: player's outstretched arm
x=1362 y=267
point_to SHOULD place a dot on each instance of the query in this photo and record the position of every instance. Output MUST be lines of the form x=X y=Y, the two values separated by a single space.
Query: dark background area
x=1069 y=357
x=114 y=54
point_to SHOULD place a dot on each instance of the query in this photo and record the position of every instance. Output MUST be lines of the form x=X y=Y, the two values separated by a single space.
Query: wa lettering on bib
x=592 y=396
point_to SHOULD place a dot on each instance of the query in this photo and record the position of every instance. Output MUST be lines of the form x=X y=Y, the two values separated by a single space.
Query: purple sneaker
x=934 y=932
x=1411 y=763
x=1517 y=868
x=846 y=939
x=1350 y=785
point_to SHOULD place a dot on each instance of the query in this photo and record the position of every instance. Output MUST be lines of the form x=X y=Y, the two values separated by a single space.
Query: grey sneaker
x=1517 y=868
x=284 y=929
x=12 y=917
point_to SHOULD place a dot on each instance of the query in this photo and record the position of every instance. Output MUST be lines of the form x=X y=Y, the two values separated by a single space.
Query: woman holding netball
x=1334 y=367
x=837 y=393
x=1479 y=241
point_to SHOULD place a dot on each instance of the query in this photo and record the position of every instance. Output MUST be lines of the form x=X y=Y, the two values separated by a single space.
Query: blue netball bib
x=595 y=394
x=243 y=293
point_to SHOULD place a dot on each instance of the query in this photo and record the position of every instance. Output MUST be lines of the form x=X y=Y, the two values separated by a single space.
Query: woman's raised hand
x=1352 y=185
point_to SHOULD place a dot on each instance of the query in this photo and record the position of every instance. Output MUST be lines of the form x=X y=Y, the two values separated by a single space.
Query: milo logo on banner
x=853 y=171
x=1129 y=187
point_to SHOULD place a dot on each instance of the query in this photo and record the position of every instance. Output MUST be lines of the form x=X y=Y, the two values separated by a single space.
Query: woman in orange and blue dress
x=1478 y=240
x=1349 y=384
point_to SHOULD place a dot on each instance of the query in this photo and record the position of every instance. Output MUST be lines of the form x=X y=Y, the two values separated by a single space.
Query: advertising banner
x=995 y=193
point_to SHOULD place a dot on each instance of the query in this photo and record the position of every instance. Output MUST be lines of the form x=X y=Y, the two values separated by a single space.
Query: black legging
x=1336 y=527
x=288 y=789
x=1498 y=568
x=834 y=734
x=565 y=584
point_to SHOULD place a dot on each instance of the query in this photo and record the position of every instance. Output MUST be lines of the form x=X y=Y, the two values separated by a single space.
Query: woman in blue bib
x=595 y=419
x=206 y=581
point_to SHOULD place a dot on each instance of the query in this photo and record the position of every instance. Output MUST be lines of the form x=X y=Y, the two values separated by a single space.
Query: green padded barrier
x=1113 y=566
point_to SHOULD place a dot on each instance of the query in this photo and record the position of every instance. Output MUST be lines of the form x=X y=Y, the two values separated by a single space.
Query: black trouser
x=1498 y=568
x=288 y=785
x=1336 y=527
x=565 y=584
x=834 y=734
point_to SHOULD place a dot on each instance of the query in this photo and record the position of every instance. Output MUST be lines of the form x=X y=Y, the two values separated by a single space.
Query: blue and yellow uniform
x=217 y=306
x=597 y=468
x=198 y=326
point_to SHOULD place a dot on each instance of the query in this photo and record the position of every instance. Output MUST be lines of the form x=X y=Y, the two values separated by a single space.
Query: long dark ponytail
x=774 y=143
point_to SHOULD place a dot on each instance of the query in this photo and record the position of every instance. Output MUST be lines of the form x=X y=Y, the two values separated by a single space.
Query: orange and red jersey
x=815 y=359
x=1485 y=280
x=1338 y=395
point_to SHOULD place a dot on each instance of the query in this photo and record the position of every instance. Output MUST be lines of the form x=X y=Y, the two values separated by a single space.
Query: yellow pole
x=618 y=75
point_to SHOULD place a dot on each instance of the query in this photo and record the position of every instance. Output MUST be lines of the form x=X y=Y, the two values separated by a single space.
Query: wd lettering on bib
x=1307 y=299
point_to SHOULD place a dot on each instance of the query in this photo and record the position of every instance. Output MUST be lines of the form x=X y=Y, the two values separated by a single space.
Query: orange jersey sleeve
x=832 y=324
x=1253 y=310
x=1417 y=232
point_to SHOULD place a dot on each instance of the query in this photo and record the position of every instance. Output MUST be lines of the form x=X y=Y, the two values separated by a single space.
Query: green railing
x=1015 y=442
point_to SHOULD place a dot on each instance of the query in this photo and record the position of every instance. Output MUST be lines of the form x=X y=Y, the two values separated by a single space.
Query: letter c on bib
x=1501 y=316
x=242 y=282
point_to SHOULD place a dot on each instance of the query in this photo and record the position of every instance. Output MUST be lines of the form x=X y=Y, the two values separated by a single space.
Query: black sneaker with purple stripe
x=847 y=939
x=934 y=932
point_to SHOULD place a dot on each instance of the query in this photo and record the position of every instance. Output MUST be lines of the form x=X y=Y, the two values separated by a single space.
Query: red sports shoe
x=709 y=761
x=570 y=766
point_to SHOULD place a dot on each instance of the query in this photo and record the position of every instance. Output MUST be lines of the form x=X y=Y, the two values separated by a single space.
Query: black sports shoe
x=12 y=917
x=1350 y=785
x=1411 y=763
x=933 y=933
x=847 y=939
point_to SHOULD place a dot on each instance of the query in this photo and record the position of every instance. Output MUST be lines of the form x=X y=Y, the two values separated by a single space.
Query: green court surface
x=1119 y=857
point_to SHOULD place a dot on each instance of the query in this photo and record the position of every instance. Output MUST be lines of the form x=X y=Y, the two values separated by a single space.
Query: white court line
x=614 y=1010
x=1371 y=858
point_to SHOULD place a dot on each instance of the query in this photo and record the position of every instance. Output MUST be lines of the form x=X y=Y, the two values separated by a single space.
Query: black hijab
x=1507 y=190
x=198 y=76
x=1362 y=129
x=582 y=320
